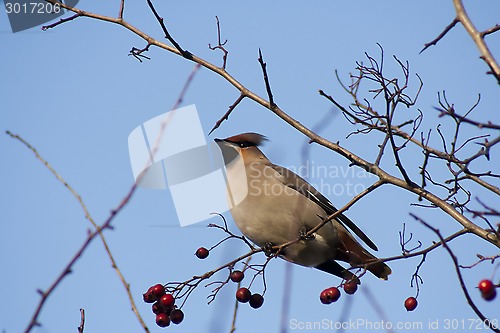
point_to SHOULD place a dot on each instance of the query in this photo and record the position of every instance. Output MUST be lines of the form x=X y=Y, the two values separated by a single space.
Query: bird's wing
x=297 y=183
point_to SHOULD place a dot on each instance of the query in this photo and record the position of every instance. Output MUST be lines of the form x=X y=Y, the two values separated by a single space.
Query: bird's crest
x=250 y=139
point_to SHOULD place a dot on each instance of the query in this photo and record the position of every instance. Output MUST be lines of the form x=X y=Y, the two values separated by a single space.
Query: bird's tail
x=335 y=268
x=352 y=252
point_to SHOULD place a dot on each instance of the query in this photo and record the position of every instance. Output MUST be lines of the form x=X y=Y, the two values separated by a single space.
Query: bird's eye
x=244 y=144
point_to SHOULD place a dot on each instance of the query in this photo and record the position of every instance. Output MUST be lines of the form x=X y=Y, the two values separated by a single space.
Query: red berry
x=411 y=303
x=202 y=253
x=167 y=301
x=156 y=308
x=256 y=301
x=237 y=276
x=486 y=286
x=176 y=316
x=243 y=295
x=158 y=290
x=148 y=296
x=162 y=320
x=350 y=287
x=490 y=296
x=329 y=295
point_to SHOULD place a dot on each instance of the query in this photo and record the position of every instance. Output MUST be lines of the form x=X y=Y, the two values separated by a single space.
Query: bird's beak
x=221 y=142
x=228 y=149
x=224 y=143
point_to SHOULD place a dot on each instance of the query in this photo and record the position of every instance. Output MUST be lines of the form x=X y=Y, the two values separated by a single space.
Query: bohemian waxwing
x=273 y=205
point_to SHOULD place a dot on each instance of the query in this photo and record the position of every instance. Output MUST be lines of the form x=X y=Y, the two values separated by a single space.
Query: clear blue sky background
x=75 y=95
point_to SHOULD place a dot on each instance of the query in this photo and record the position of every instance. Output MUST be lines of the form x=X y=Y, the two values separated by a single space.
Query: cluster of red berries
x=332 y=294
x=487 y=289
x=163 y=306
x=243 y=294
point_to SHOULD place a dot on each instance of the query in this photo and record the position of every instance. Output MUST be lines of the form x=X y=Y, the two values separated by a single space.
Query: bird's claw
x=303 y=234
x=268 y=250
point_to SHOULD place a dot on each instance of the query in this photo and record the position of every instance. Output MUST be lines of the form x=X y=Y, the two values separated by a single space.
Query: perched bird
x=271 y=205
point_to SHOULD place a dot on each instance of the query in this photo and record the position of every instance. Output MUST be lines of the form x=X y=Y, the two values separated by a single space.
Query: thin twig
x=220 y=45
x=482 y=258
x=263 y=65
x=491 y=30
x=416 y=276
x=184 y=53
x=228 y=112
x=61 y=21
x=236 y=303
x=138 y=53
x=441 y=35
x=122 y=7
x=82 y=321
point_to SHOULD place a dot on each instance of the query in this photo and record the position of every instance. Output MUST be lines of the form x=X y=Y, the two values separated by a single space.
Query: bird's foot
x=303 y=234
x=268 y=250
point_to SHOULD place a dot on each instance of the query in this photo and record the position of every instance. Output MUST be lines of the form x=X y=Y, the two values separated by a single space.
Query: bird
x=272 y=205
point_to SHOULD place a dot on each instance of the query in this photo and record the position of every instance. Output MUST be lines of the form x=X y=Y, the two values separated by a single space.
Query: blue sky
x=75 y=94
